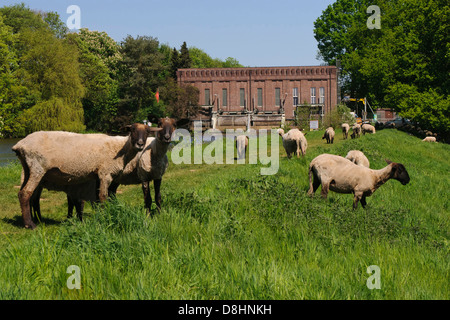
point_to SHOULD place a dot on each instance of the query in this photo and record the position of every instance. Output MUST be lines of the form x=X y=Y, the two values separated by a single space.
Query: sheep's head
x=399 y=172
x=167 y=126
x=139 y=133
x=280 y=132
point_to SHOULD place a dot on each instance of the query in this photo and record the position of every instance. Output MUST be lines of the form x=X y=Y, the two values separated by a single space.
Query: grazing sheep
x=356 y=131
x=367 y=128
x=294 y=141
x=430 y=139
x=66 y=158
x=358 y=158
x=340 y=175
x=345 y=129
x=241 y=146
x=329 y=135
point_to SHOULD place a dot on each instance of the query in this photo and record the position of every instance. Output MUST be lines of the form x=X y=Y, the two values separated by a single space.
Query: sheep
x=345 y=129
x=367 y=128
x=340 y=175
x=241 y=146
x=294 y=141
x=430 y=139
x=358 y=158
x=329 y=135
x=65 y=158
x=356 y=131
x=153 y=164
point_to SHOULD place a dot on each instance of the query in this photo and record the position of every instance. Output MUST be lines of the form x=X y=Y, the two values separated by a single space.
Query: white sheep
x=358 y=158
x=367 y=128
x=340 y=175
x=65 y=158
x=241 y=146
x=356 y=131
x=345 y=129
x=294 y=141
x=430 y=139
x=329 y=135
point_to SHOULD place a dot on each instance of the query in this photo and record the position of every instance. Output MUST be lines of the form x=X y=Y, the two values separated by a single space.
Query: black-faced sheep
x=340 y=175
x=65 y=159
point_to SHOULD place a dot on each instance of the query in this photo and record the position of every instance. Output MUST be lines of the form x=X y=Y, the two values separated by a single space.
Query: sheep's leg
x=36 y=208
x=112 y=190
x=325 y=189
x=79 y=206
x=363 y=201
x=157 y=184
x=25 y=195
x=105 y=182
x=147 y=195
x=70 y=206
x=314 y=182
x=356 y=199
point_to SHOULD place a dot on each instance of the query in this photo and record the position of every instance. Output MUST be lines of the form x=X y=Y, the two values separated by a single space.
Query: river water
x=6 y=154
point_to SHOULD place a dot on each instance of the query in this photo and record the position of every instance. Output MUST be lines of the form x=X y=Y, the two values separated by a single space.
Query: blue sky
x=255 y=32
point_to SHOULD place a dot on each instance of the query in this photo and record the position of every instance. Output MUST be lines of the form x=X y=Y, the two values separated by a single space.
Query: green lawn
x=227 y=232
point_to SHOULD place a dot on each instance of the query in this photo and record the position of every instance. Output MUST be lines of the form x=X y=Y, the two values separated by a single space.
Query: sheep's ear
x=388 y=161
x=126 y=128
x=305 y=133
x=153 y=129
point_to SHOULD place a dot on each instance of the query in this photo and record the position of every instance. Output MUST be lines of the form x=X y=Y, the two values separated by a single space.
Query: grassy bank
x=227 y=232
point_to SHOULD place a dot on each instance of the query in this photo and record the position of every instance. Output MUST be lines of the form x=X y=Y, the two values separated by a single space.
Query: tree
x=181 y=102
x=99 y=57
x=185 y=59
x=140 y=69
x=403 y=65
x=11 y=92
x=174 y=63
x=49 y=70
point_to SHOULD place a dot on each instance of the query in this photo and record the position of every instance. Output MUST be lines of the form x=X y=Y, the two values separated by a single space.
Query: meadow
x=227 y=232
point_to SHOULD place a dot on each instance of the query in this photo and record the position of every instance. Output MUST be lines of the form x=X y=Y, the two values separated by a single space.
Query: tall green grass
x=226 y=232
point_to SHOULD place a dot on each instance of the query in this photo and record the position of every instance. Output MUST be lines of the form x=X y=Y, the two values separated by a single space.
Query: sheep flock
x=91 y=167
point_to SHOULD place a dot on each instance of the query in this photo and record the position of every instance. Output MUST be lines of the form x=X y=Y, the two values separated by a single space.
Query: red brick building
x=263 y=96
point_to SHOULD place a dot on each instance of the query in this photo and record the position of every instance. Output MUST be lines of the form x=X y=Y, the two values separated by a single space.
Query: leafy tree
x=181 y=102
x=97 y=71
x=11 y=92
x=185 y=59
x=403 y=65
x=140 y=77
x=174 y=63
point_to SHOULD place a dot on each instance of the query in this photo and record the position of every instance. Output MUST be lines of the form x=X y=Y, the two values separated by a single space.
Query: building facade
x=260 y=96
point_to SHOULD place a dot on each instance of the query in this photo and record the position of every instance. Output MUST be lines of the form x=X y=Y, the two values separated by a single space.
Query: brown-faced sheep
x=340 y=175
x=65 y=158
